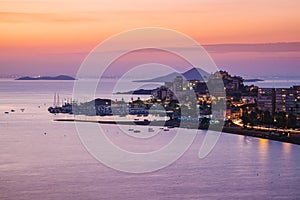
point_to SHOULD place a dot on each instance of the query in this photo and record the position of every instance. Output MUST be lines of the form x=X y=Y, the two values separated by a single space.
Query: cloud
x=267 y=48
x=261 y=47
x=23 y=17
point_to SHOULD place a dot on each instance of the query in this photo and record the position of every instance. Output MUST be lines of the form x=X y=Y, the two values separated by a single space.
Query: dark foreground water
x=55 y=165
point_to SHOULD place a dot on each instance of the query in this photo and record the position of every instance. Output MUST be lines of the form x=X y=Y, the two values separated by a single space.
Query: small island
x=60 y=77
x=137 y=92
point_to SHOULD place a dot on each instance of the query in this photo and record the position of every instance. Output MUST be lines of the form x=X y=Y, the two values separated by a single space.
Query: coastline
x=293 y=139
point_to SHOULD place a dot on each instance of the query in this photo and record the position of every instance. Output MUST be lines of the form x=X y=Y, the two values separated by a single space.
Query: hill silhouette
x=192 y=74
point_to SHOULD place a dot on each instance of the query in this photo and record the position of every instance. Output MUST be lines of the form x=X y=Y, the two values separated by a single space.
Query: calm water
x=276 y=82
x=57 y=166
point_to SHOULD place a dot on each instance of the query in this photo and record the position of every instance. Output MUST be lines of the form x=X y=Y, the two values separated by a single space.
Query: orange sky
x=65 y=26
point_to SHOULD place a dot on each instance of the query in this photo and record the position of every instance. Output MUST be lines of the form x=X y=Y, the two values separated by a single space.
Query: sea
x=276 y=81
x=41 y=158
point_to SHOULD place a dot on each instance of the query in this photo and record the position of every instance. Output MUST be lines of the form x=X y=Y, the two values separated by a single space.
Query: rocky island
x=60 y=77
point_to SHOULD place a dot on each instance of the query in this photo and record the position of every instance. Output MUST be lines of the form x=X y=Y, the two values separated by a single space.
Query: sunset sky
x=50 y=37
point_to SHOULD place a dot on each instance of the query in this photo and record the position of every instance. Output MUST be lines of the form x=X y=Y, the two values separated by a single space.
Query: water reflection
x=286 y=148
x=286 y=152
x=239 y=167
x=263 y=149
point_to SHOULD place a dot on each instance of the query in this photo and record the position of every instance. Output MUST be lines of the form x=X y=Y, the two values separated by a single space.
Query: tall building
x=266 y=99
x=280 y=104
x=178 y=83
x=160 y=93
x=280 y=100
x=293 y=101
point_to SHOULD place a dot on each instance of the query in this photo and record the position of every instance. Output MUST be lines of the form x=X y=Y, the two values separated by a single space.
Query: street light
x=275 y=120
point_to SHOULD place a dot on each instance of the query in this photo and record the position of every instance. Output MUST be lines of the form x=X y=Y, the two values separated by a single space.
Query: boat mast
x=54 y=102
x=57 y=99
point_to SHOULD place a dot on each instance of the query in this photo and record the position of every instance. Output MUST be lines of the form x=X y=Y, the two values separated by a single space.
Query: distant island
x=138 y=92
x=60 y=77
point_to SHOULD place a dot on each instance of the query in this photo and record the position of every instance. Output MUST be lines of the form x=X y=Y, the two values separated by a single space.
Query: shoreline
x=292 y=138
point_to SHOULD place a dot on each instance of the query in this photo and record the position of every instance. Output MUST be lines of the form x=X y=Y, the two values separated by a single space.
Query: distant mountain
x=60 y=77
x=192 y=74
x=196 y=74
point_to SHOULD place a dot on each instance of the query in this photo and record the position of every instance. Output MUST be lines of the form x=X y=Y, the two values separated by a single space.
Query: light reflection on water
x=286 y=148
x=263 y=150
x=55 y=165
